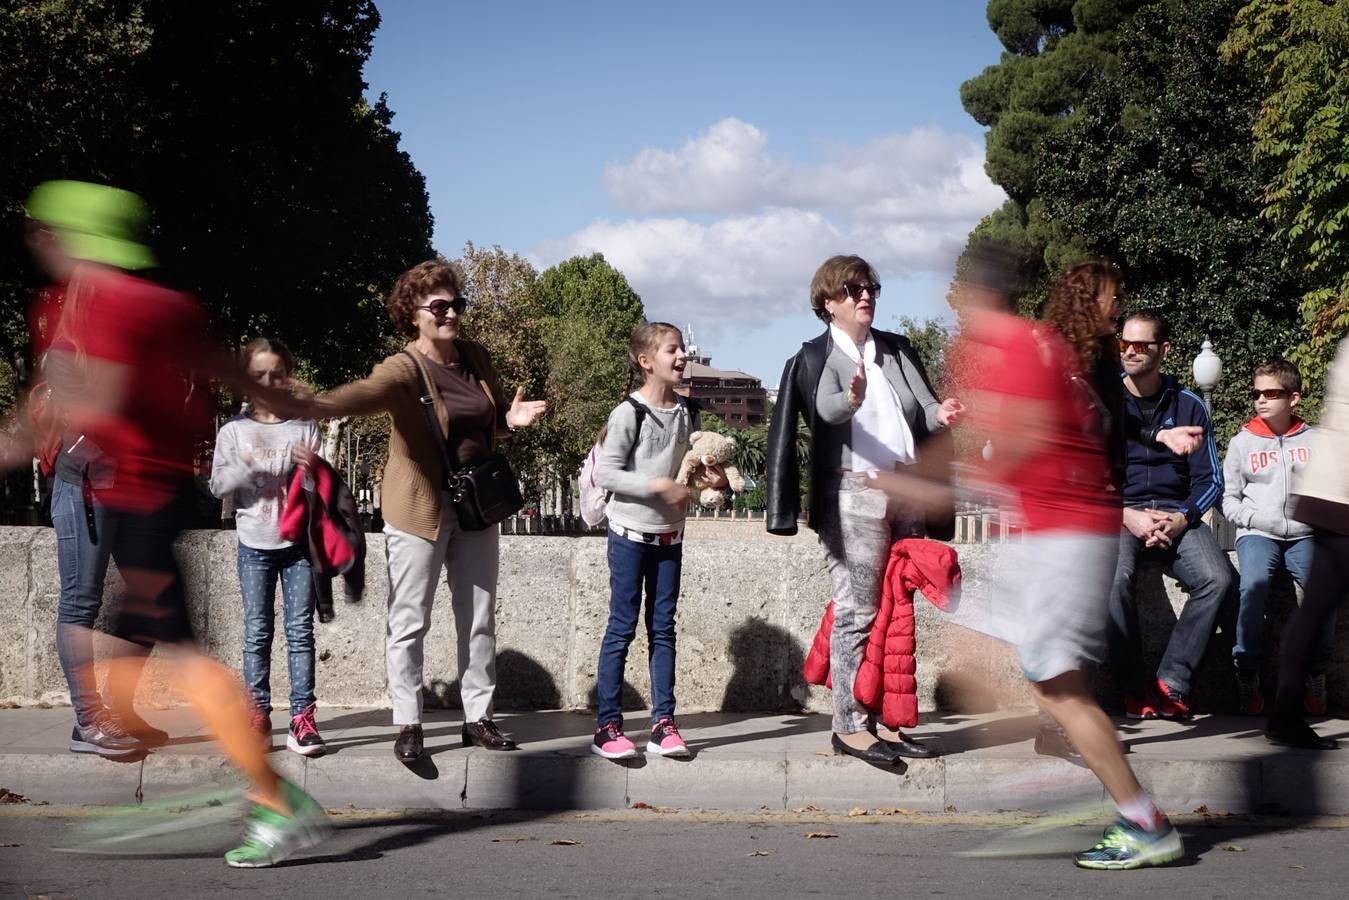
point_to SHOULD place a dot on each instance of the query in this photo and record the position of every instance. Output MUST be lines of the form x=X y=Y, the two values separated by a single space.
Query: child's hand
x=670 y=491
x=304 y=458
x=715 y=477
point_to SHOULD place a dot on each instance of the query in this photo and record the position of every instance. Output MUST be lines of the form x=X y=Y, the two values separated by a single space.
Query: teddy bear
x=709 y=449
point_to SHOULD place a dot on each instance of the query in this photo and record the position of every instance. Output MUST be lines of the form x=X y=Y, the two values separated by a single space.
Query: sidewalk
x=742 y=762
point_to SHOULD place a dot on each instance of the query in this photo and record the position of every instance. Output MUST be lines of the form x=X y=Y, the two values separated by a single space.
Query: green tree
x=1055 y=51
x=589 y=311
x=1156 y=171
x=279 y=194
x=1298 y=52
x=929 y=339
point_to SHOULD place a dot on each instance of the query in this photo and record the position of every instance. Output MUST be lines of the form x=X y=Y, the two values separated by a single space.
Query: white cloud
x=726 y=232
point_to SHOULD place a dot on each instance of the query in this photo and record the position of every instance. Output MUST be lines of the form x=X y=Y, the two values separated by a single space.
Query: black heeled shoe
x=880 y=753
x=408 y=747
x=906 y=747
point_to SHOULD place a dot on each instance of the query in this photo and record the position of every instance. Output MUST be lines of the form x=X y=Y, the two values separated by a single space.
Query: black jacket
x=796 y=397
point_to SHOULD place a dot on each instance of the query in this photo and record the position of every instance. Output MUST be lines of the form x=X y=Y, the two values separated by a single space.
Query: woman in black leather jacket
x=868 y=404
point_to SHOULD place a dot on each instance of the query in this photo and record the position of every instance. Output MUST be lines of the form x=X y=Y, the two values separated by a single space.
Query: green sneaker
x=1126 y=846
x=270 y=837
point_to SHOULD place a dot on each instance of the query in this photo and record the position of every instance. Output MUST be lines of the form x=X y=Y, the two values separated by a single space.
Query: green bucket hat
x=94 y=222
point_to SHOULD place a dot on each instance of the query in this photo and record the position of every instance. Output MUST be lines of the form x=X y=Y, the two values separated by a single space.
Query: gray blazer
x=901 y=368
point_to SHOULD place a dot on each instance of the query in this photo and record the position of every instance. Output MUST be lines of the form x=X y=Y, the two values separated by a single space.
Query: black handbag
x=483 y=494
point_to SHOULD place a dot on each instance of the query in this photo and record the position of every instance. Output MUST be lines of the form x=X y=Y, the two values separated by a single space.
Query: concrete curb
x=741 y=764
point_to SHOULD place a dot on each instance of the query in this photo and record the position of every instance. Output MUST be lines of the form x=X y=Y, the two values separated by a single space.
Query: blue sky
x=715 y=152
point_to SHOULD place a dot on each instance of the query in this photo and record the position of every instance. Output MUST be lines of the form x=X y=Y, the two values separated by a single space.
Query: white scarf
x=880 y=436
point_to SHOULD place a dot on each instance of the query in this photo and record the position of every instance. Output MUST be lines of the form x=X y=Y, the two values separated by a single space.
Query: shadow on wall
x=522 y=684
x=630 y=699
x=766 y=665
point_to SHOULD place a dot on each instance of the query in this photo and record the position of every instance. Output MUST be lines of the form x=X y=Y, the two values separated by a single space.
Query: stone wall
x=749 y=608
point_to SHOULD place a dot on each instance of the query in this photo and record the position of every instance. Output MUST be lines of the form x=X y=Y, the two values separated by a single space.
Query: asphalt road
x=654 y=854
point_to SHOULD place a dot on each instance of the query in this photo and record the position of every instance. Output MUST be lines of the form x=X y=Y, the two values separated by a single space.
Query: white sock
x=1142 y=812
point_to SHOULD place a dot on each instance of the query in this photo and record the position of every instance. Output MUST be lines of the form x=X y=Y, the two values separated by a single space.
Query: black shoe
x=1051 y=741
x=408 y=747
x=105 y=737
x=906 y=747
x=880 y=753
x=1291 y=731
x=485 y=734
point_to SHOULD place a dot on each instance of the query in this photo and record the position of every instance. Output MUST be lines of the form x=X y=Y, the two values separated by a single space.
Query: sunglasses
x=854 y=290
x=1269 y=394
x=441 y=308
x=1137 y=346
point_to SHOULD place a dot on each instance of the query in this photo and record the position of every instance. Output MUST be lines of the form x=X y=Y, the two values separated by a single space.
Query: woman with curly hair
x=1084 y=308
x=422 y=533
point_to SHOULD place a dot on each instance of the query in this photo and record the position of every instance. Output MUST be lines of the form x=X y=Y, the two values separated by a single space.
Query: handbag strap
x=429 y=408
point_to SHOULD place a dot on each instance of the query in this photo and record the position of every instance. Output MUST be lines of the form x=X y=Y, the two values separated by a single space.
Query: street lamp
x=1208 y=368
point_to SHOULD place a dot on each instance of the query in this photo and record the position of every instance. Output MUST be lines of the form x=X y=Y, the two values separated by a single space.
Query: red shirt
x=1064 y=483
x=158 y=334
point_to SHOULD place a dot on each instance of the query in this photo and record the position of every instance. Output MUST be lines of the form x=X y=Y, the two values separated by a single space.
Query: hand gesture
x=950 y=412
x=1183 y=439
x=524 y=413
x=1170 y=527
x=857 y=387
x=715 y=476
x=671 y=491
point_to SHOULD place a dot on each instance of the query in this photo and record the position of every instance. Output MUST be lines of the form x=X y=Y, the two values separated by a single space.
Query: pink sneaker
x=665 y=740
x=611 y=743
x=304 y=737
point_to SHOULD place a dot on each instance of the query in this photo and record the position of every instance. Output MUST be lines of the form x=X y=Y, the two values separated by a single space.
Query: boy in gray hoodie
x=1262 y=459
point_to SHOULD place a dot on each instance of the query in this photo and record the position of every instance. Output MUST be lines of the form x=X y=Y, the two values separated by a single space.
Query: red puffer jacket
x=886 y=681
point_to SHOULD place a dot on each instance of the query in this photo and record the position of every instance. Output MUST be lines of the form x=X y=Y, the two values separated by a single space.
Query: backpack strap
x=639 y=412
x=695 y=414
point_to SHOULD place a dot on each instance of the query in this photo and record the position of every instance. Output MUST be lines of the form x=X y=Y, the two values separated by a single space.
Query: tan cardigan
x=414 y=476
x=1322 y=489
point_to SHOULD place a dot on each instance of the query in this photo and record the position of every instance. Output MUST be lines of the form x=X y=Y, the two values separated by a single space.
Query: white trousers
x=470 y=561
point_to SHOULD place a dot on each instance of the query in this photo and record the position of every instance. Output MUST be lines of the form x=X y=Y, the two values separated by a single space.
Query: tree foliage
x=1055 y=51
x=1298 y=52
x=1156 y=171
x=929 y=339
x=279 y=193
x=588 y=313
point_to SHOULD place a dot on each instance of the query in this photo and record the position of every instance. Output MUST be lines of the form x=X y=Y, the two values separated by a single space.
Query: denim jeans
x=1259 y=559
x=83 y=567
x=1204 y=571
x=258 y=573
x=635 y=568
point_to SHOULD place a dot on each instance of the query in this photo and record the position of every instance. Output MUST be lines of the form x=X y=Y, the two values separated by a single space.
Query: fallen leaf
x=11 y=845
x=660 y=809
x=1202 y=810
x=823 y=753
x=514 y=839
x=889 y=811
x=1297 y=866
x=821 y=834
x=1234 y=848
x=803 y=809
x=7 y=796
x=856 y=811
x=566 y=843
x=761 y=853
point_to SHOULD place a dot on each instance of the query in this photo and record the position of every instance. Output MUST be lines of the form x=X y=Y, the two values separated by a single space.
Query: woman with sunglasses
x=422 y=532
x=867 y=401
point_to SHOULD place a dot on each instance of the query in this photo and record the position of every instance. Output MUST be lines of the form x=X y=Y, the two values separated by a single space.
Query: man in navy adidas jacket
x=1165 y=494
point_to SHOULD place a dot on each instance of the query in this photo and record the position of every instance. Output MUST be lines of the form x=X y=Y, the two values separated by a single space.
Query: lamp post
x=1208 y=369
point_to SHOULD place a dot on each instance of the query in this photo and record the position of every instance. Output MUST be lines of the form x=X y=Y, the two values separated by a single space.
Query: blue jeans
x=1259 y=558
x=83 y=567
x=258 y=573
x=634 y=568
x=1204 y=571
